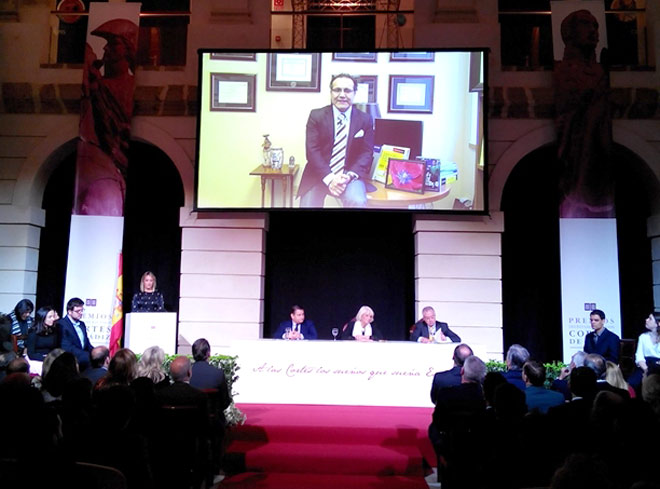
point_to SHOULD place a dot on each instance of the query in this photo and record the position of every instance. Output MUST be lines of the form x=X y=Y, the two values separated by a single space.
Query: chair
x=181 y=447
x=93 y=476
x=627 y=349
x=217 y=431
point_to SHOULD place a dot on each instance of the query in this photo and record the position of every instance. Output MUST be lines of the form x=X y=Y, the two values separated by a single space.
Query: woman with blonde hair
x=151 y=366
x=614 y=377
x=148 y=299
x=362 y=329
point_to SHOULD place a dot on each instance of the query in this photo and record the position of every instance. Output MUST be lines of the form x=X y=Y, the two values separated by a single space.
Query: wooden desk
x=387 y=197
x=285 y=175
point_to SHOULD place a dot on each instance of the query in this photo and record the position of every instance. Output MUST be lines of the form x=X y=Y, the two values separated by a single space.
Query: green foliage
x=552 y=369
x=228 y=364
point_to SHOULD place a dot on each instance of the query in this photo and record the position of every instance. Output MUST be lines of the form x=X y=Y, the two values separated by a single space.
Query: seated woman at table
x=148 y=299
x=43 y=336
x=361 y=328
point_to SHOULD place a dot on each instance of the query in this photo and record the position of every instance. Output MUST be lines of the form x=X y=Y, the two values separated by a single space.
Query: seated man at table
x=428 y=330
x=296 y=328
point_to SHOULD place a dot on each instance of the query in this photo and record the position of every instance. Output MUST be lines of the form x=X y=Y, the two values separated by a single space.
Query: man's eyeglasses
x=347 y=91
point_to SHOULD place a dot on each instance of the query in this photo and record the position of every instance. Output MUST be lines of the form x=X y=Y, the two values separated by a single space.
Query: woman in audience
x=648 y=344
x=148 y=299
x=121 y=371
x=151 y=366
x=21 y=322
x=43 y=337
x=614 y=377
x=361 y=329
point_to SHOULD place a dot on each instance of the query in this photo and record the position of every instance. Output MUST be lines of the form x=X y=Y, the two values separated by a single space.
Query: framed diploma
x=233 y=92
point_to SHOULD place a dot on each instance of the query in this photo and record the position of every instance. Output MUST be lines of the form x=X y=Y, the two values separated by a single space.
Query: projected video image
x=382 y=130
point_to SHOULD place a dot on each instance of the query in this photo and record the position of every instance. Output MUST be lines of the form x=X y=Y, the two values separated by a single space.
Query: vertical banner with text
x=106 y=109
x=589 y=278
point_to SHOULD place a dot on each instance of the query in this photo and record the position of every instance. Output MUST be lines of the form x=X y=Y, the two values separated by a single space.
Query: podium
x=145 y=329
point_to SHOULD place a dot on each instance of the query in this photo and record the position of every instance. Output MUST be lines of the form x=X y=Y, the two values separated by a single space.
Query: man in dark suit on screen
x=339 y=146
x=428 y=330
x=74 y=333
x=299 y=328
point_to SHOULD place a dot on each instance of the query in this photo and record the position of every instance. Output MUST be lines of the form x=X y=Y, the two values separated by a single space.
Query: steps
x=328 y=446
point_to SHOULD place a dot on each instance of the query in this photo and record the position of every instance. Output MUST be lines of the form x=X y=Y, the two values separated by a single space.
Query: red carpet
x=302 y=446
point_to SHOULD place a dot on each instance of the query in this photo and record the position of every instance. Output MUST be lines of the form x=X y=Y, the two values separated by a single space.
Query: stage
x=321 y=446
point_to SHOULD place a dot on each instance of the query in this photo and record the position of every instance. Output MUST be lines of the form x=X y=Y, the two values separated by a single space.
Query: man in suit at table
x=601 y=340
x=450 y=377
x=428 y=330
x=339 y=146
x=74 y=333
x=299 y=327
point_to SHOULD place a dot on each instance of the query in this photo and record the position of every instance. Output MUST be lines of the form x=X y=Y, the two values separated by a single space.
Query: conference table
x=351 y=373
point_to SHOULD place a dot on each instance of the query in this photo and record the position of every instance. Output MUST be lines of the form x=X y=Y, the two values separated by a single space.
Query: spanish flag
x=117 y=329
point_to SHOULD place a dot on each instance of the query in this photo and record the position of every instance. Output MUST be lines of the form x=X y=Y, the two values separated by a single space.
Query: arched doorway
x=152 y=236
x=531 y=290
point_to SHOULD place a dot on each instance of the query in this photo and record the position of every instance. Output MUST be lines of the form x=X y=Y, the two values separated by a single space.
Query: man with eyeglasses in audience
x=73 y=332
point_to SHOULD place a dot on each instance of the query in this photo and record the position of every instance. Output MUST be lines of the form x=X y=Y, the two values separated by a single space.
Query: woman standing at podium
x=148 y=299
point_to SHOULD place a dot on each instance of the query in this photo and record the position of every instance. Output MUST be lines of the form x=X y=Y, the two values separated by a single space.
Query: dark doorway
x=152 y=236
x=331 y=33
x=531 y=290
x=333 y=263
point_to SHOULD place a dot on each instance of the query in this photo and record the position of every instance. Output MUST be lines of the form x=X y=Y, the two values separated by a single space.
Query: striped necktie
x=339 y=148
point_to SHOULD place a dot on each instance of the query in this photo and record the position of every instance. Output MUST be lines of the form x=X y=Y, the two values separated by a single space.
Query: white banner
x=94 y=247
x=589 y=278
x=350 y=373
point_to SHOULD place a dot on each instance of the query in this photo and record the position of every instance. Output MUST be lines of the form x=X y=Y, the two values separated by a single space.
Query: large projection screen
x=424 y=149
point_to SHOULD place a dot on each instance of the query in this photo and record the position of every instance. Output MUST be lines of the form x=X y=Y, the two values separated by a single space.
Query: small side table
x=284 y=174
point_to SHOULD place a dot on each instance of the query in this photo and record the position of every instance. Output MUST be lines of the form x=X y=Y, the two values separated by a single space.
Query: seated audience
x=206 y=376
x=151 y=366
x=99 y=360
x=537 y=397
x=614 y=376
x=516 y=356
x=597 y=363
x=601 y=340
x=651 y=392
x=122 y=370
x=457 y=425
x=21 y=321
x=452 y=376
x=560 y=384
x=297 y=328
x=647 y=354
x=492 y=381
x=73 y=333
x=362 y=329
x=7 y=353
x=43 y=336
x=428 y=330
x=148 y=299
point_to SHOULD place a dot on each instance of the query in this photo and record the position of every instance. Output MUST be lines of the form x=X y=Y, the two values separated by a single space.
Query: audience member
x=99 y=360
x=362 y=328
x=74 y=333
x=457 y=425
x=597 y=363
x=297 y=328
x=491 y=382
x=44 y=335
x=151 y=366
x=537 y=396
x=583 y=471
x=614 y=377
x=21 y=321
x=206 y=376
x=122 y=370
x=428 y=330
x=647 y=354
x=560 y=384
x=7 y=353
x=18 y=365
x=601 y=340
x=651 y=392
x=516 y=356
x=452 y=376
